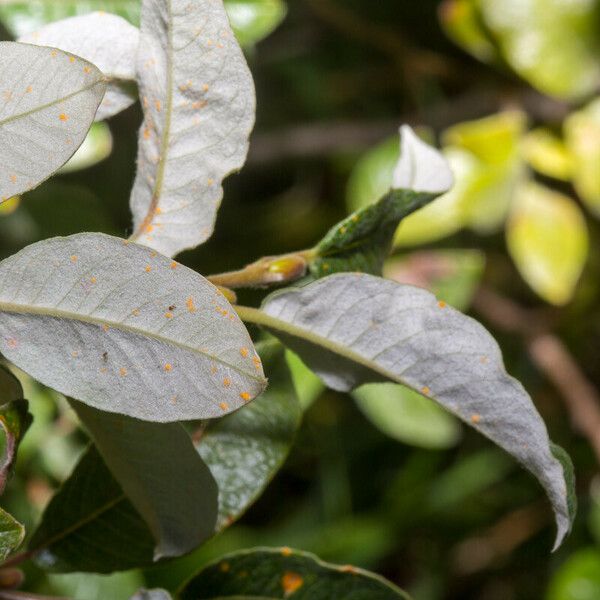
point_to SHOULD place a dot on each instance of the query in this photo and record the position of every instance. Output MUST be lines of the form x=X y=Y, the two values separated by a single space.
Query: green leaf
x=578 y=578
x=567 y=464
x=407 y=416
x=547 y=154
x=462 y=23
x=109 y=42
x=15 y=419
x=199 y=104
x=552 y=44
x=354 y=329
x=10 y=387
x=96 y=147
x=547 y=238
x=50 y=96
x=161 y=473
x=124 y=329
x=362 y=241
x=582 y=137
x=90 y=525
x=12 y=534
x=278 y=574
x=254 y=20
x=307 y=385
x=491 y=167
x=372 y=178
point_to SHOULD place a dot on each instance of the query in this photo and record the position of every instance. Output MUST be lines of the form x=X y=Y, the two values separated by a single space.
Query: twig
x=551 y=357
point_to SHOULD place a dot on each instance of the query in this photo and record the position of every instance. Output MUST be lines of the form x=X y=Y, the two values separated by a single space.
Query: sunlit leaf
x=547 y=154
x=90 y=519
x=355 y=329
x=548 y=240
x=253 y=20
x=124 y=329
x=109 y=42
x=49 y=96
x=308 y=386
x=96 y=147
x=553 y=44
x=279 y=574
x=582 y=136
x=578 y=578
x=12 y=534
x=489 y=178
x=162 y=475
x=199 y=103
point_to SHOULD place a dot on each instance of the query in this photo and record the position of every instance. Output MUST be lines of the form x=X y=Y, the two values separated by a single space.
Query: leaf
x=162 y=475
x=124 y=329
x=371 y=179
x=151 y=595
x=355 y=329
x=550 y=43
x=254 y=20
x=547 y=154
x=547 y=238
x=50 y=97
x=109 y=42
x=582 y=138
x=96 y=147
x=12 y=534
x=199 y=105
x=246 y=449
x=10 y=387
x=362 y=241
x=578 y=577
x=14 y=422
x=278 y=574
x=90 y=525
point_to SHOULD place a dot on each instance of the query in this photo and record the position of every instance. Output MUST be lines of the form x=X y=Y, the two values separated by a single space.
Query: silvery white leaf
x=161 y=473
x=421 y=168
x=106 y=40
x=124 y=329
x=47 y=104
x=353 y=329
x=199 y=103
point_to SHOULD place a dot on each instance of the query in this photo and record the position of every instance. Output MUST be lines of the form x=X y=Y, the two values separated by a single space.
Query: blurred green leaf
x=90 y=586
x=582 y=137
x=553 y=44
x=282 y=574
x=12 y=534
x=547 y=238
x=578 y=578
x=307 y=385
x=15 y=419
x=91 y=526
x=489 y=181
x=407 y=416
x=254 y=20
x=461 y=21
x=548 y=154
x=96 y=147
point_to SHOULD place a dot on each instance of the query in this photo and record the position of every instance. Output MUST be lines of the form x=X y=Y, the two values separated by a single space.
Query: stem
x=266 y=271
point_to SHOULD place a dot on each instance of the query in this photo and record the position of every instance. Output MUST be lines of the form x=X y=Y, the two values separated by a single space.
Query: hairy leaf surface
x=199 y=104
x=90 y=525
x=278 y=574
x=124 y=329
x=161 y=473
x=355 y=329
x=48 y=104
x=106 y=40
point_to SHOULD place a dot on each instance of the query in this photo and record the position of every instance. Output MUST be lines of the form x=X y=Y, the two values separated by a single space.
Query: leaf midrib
x=55 y=313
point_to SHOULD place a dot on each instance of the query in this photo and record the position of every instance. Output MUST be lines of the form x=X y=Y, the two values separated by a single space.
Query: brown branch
x=551 y=357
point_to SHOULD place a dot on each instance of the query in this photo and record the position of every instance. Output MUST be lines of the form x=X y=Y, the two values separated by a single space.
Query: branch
x=551 y=357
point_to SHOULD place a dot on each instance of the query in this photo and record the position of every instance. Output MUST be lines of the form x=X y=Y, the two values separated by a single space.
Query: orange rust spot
x=13 y=179
x=190 y=305
x=199 y=105
x=224 y=406
x=93 y=280
x=74 y=258
x=147 y=133
x=291 y=582
x=285 y=551
x=158 y=105
x=213 y=369
x=244 y=352
x=174 y=400
x=103 y=370
x=168 y=315
x=12 y=342
x=74 y=354
x=158 y=210
x=122 y=371
x=442 y=304
x=149 y=228
x=425 y=390
x=257 y=363
x=484 y=360
x=475 y=418
x=105 y=327
x=87 y=70
x=148 y=268
x=168 y=367
x=173 y=265
x=226 y=382
x=54 y=54
x=224 y=567
x=71 y=59
x=135 y=312
x=348 y=569
x=29 y=90
x=245 y=396
x=63 y=117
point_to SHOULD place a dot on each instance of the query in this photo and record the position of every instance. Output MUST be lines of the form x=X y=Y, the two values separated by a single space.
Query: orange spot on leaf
x=291 y=582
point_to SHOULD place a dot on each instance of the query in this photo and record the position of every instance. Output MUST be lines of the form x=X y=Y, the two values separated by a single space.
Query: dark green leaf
x=11 y=534
x=285 y=574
